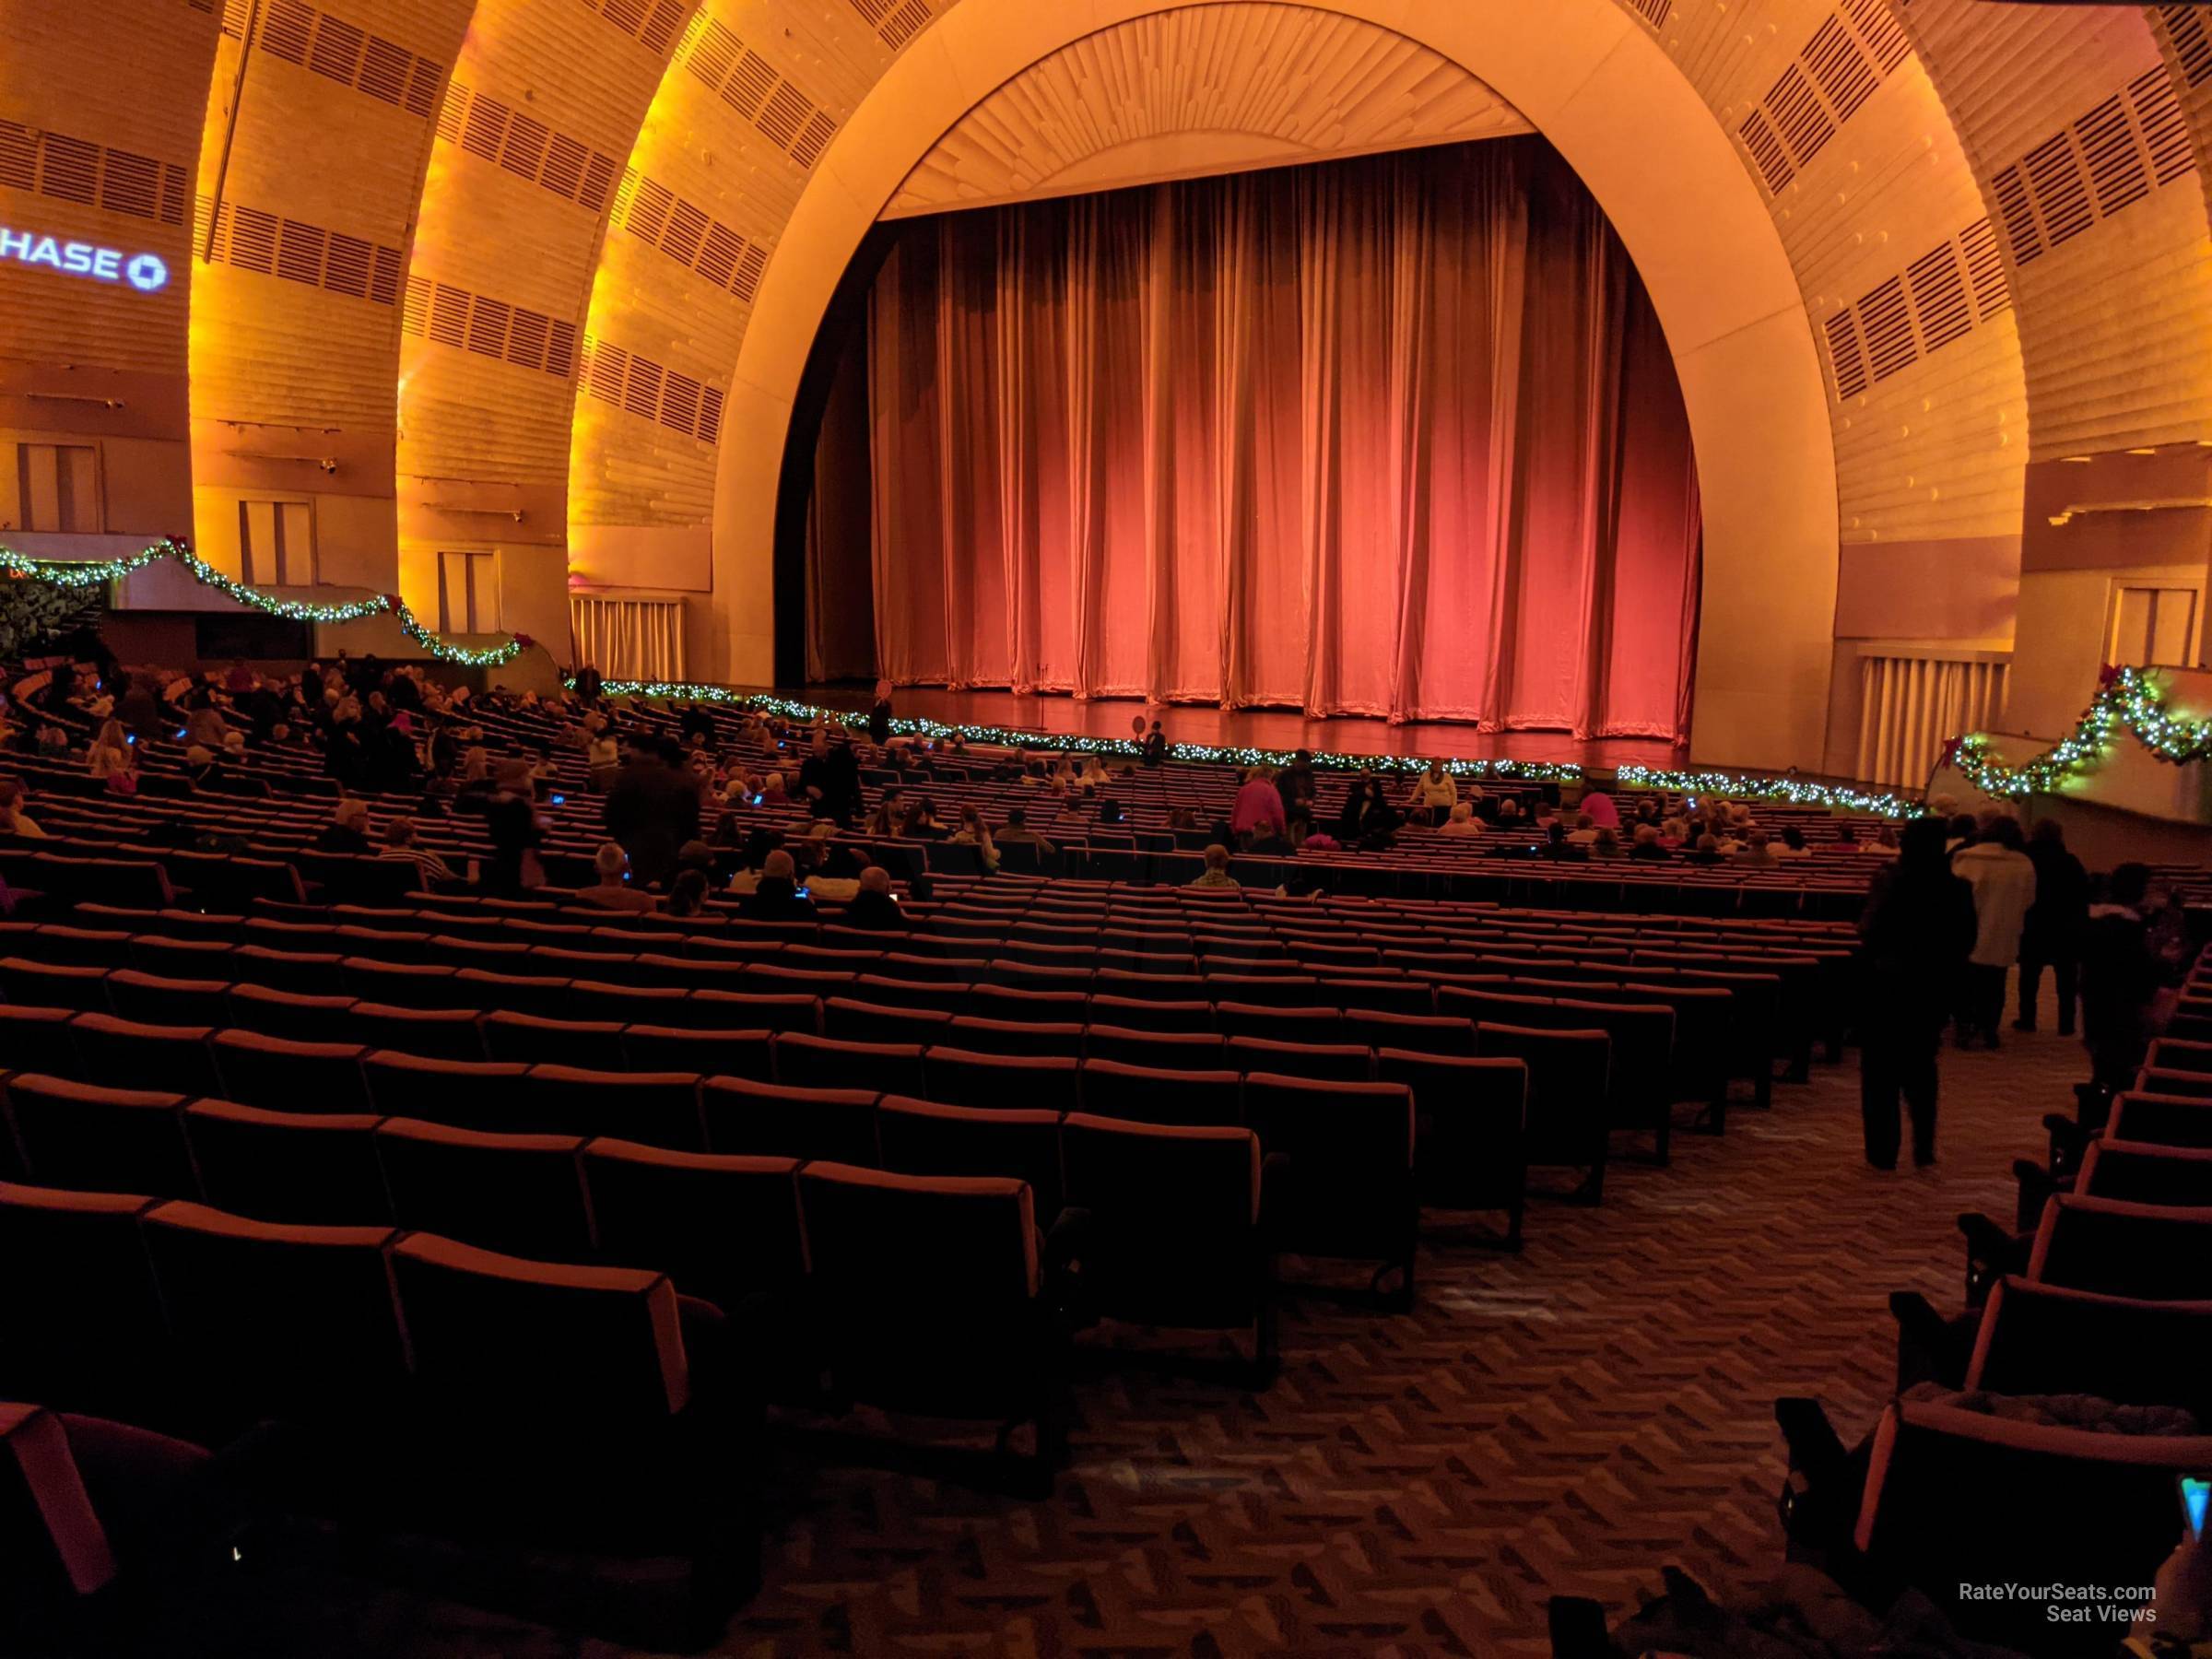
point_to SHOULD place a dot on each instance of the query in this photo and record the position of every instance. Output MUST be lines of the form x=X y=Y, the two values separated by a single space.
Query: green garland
x=83 y=573
x=2129 y=699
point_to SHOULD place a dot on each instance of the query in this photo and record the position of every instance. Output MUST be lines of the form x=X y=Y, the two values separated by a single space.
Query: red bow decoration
x=2106 y=677
x=524 y=641
x=1950 y=751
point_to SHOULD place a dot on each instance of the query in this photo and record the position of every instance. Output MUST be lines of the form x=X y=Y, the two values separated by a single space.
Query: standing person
x=1434 y=793
x=879 y=716
x=653 y=809
x=2119 y=978
x=511 y=820
x=1155 y=746
x=1918 y=927
x=2003 y=880
x=1257 y=803
x=2053 y=929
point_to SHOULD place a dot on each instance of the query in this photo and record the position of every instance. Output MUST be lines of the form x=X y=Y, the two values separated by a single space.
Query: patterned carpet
x=1562 y=1423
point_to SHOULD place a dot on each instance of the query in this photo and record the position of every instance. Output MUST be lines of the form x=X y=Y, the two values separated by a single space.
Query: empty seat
x=300 y=1017
x=1263 y=990
x=1130 y=1012
x=1283 y=1024
x=95 y=1139
x=1171 y=1231
x=1348 y=1189
x=2160 y=1120
x=1147 y=1094
x=36 y=1038
x=405 y=984
x=1469 y=1121
x=738 y=1054
x=949 y=996
x=1568 y=1080
x=929 y=1295
x=1169 y=1050
x=717 y=1009
x=1420 y=1034
x=53 y=984
x=547 y=996
x=2155 y=1251
x=83 y=1319
x=825 y=1063
x=426 y=1033
x=314 y=1167
x=1356 y=996
x=851 y=1020
x=1013 y=1082
x=533 y=1039
x=125 y=1053
x=162 y=1001
x=290 y=1077
x=309 y=972
x=921 y=1138
x=646 y=1005
x=1346 y=1063
x=658 y=1108
x=520 y=1193
x=271 y=1320
x=480 y=1094
x=982 y=1036
x=723 y=1227
x=181 y=958
x=2145 y=1174
x=2043 y=1339
x=781 y=1120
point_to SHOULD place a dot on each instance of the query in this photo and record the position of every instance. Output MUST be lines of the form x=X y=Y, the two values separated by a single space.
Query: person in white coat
x=1996 y=865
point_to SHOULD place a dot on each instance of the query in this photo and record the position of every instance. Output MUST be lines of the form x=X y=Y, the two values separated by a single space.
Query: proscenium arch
x=1604 y=94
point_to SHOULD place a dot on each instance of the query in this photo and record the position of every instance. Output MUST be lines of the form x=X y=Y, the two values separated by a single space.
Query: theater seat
x=1338 y=1062
x=1569 y=1073
x=1007 y=1082
x=849 y=1020
x=273 y=1320
x=1469 y=1121
x=158 y=1000
x=54 y=984
x=1284 y=1023
x=780 y=1120
x=920 y=1137
x=311 y=1167
x=2156 y=1251
x=294 y=1015
x=484 y=1094
x=1347 y=1187
x=929 y=1297
x=1144 y=1094
x=83 y=1319
x=535 y=1040
x=826 y=1063
x=982 y=1036
x=520 y=1193
x=2043 y=1339
x=124 y=1053
x=723 y=1228
x=426 y=1033
x=1170 y=1228
x=739 y=1053
x=290 y=1077
x=658 y=1108
x=35 y=1039
x=95 y=1139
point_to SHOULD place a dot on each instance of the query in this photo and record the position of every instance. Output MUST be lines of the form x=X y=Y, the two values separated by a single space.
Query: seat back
x=1348 y=1188
x=288 y=1075
x=1336 y=1062
x=2145 y=1174
x=778 y=1120
x=1008 y=1082
x=124 y=1053
x=2162 y=1119
x=921 y=1138
x=70 y=1253
x=98 y=1139
x=1569 y=1074
x=475 y=1094
x=826 y=1063
x=2155 y=1251
x=533 y=1038
x=273 y=1320
x=1174 y=1215
x=2042 y=1339
x=658 y=1108
x=57 y=1550
x=723 y=1228
x=1470 y=1114
x=521 y=1194
x=1957 y=1499
x=308 y=1168
x=1144 y=1094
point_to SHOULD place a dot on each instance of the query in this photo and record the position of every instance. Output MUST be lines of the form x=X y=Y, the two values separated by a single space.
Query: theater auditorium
x=1093 y=828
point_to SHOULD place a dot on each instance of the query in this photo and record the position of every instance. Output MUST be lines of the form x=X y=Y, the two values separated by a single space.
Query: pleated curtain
x=1395 y=437
x=1909 y=707
x=628 y=638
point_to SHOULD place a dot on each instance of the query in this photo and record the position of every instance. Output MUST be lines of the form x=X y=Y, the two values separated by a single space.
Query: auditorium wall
x=1972 y=238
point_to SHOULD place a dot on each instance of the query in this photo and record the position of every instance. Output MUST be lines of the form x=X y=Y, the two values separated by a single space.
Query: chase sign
x=148 y=273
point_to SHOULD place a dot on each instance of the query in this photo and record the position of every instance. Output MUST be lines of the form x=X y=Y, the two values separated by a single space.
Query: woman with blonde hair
x=975 y=833
x=110 y=757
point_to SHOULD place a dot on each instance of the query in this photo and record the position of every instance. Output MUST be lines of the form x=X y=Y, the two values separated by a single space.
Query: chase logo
x=146 y=272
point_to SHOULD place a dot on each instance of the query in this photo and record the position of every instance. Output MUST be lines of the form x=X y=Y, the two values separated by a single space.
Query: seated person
x=874 y=907
x=777 y=896
x=347 y=831
x=1792 y=844
x=614 y=891
x=1755 y=850
x=399 y=847
x=1463 y=821
x=14 y=821
x=1019 y=833
x=688 y=893
x=1647 y=844
x=1216 y=875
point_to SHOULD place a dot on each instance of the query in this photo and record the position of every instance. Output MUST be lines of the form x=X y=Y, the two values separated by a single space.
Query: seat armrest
x=1991 y=1252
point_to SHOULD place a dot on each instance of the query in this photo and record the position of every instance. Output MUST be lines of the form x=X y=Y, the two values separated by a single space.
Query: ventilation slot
x=2192 y=41
x=2108 y=145
x=1939 y=301
x=1806 y=127
x=341 y=52
x=1653 y=12
x=2165 y=132
x=1879 y=26
x=1887 y=324
x=1766 y=152
x=1844 y=357
x=487 y=128
x=2019 y=217
x=652 y=26
x=1845 y=75
x=899 y=21
x=688 y=235
x=641 y=387
x=2062 y=195
x=250 y=239
x=750 y=84
x=1985 y=269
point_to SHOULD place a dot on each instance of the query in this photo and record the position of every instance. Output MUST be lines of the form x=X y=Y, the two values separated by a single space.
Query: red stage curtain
x=1397 y=437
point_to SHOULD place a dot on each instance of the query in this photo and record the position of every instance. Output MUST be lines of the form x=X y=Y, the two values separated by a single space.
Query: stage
x=1256 y=728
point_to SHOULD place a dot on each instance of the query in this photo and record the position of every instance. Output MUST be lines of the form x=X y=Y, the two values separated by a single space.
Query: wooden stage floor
x=1239 y=728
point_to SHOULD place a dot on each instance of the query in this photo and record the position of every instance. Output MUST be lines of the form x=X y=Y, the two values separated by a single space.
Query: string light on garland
x=2129 y=699
x=1796 y=791
x=84 y=574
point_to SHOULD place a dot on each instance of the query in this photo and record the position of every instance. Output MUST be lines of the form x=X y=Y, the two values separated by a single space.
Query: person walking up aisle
x=1919 y=928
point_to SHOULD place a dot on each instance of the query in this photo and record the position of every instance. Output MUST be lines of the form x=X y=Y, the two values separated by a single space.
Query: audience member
x=1918 y=928
x=1434 y=793
x=14 y=821
x=1156 y=745
x=1463 y=821
x=1756 y=850
x=777 y=896
x=688 y=893
x=400 y=846
x=1216 y=875
x=875 y=908
x=2121 y=975
x=653 y=809
x=2003 y=880
x=1017 y=833
x=2051 y=933
x=613 y=891
x=1647 y=845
